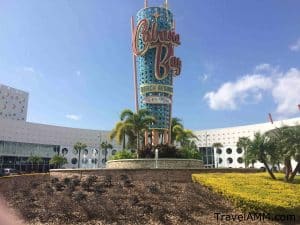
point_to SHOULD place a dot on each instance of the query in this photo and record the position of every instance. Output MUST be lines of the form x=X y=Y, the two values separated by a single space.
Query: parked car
x=10 y=171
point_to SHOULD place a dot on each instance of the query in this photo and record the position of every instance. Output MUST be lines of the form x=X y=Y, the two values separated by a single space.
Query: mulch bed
x=42 y=200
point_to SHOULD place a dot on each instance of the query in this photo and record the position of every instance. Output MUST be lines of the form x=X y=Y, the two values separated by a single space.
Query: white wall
x=230 y=136
x=19 y=131
x=13 y=103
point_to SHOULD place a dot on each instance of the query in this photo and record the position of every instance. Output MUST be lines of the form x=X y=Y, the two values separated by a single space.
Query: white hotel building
x=20 y=139
x=230 y=155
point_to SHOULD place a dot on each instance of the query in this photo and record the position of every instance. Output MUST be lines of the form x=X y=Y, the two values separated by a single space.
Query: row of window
x=86 y=151
x=85 y=161
x=229 y=151
x=230 y=160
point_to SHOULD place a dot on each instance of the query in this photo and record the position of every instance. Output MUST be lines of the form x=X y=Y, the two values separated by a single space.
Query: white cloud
x=230 y=95
x=263 y=67
x=204 y=77
x=266 y=68
x=28 y=69
x=249 y=89
x=73 y=117
x=296 y=46
x=286 y=93
x=78 y=73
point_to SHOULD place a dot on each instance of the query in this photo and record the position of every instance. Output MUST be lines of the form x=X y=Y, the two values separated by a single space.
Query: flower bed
x=255 y=192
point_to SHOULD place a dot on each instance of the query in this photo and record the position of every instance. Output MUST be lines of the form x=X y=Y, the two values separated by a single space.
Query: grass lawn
x=255 y=192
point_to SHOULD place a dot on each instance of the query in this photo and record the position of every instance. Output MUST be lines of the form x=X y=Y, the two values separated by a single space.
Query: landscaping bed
x=256 y=192
x=101 y=200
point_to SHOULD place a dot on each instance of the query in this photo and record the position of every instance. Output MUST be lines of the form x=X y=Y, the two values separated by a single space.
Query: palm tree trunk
x=124 y=140
x=291 y=179
x=288 y=168
x=245 y=155
x=79 y=158
x=268 y=169
x=137 y=144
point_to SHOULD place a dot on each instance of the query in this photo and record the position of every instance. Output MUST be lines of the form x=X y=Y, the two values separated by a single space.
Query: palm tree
x=58 y=161
x=34 y=159
x=183 y=136
x=259 y=148
x=175 y=122
x=217 y=145
x=79 y=147
x=137 y=122
x=120 y=132
x=243 y=143
x=106 y=146
x=295 y=149
x=287 y=141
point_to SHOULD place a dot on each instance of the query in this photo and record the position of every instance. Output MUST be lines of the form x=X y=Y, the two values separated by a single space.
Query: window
x=220 y=160
x=240 y=160
x=94 y=161
x=64 y=151
x=114 y=152
x=84 y=160
x=219 y=151
x=239 y=150
x=75 y=152
x=95 y=151
x=85 y=151
x=229 y=160
x=74 y=161
x=228 y=150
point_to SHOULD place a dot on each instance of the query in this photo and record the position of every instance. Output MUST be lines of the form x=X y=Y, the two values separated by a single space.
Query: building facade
x=230 y=155
x=19 y=140
x=13 y=103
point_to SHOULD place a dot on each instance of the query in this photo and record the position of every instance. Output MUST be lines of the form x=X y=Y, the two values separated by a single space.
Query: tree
x=190 y=151
x=259 y=148
x=137 y=122
x=120 y=131
x=175 y=122
x=79 y=147
x=217 y=145
x=34 y=159
x=294 y=139
x=183 y=136
x=106 y=146
x=58 y=161
x=287 y=140
x=243 y=143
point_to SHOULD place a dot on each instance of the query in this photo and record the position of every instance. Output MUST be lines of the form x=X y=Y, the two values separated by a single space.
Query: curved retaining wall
x=151 y=164
x=168 y=175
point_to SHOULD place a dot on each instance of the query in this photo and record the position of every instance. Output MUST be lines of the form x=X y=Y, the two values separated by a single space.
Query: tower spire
x=166 y=4
x=145 y=3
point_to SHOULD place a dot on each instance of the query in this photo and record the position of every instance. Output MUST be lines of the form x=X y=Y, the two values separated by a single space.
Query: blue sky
x=241 y=60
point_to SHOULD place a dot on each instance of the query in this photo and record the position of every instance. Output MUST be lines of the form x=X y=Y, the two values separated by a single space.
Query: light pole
x=206 y=152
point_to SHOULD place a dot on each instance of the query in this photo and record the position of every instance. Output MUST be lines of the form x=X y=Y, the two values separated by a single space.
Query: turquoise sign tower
x=153 y=42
